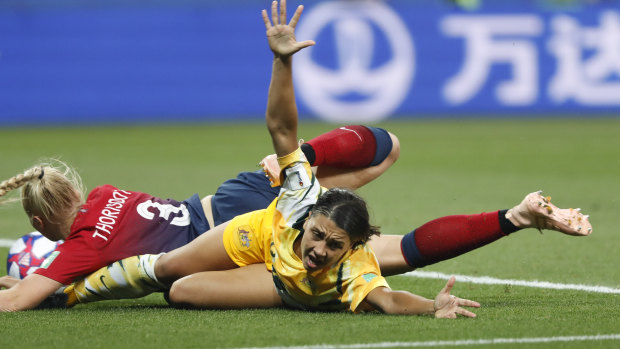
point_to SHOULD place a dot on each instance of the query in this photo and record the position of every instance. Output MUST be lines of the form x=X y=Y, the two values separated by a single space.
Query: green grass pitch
x=446 y=167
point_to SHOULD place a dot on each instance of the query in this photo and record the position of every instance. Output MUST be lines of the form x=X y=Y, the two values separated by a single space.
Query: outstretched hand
x=281 y=36
x=448 y=306
x=8 y=281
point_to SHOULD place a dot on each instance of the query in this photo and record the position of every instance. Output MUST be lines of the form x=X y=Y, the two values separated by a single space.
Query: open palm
x=281 y=36
x=448 y=306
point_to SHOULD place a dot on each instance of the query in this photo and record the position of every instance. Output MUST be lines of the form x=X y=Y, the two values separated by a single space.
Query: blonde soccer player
x=113 y=223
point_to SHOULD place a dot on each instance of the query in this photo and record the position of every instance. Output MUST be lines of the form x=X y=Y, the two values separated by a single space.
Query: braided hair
x=49 y=187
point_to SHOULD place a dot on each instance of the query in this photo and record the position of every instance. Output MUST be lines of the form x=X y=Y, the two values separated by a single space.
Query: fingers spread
x=266 y=19
x=468 y=303
x=465 y=312
x=283 y=12
x=449 y=285
x=274 y=13
x=305 y=44
x=296 y=16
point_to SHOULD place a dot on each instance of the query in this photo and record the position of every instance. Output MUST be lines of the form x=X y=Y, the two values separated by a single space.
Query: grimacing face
x=323 y=243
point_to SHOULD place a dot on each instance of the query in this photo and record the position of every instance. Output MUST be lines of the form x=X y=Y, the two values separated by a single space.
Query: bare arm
x=8 y=282
x=281 y=114
x=28 y=293
x=401 y=302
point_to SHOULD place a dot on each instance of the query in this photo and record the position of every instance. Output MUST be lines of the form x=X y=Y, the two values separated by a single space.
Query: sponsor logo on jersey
x=50 y=259
x=244 y=237
x=296 y=177
x=368 y=277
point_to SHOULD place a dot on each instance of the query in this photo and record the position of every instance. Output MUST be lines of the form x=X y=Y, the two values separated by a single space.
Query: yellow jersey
x=343 y=285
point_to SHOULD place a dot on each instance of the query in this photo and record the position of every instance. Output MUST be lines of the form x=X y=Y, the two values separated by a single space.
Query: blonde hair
x=50 y=187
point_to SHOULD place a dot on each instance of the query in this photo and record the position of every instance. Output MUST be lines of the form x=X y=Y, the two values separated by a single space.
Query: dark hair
x=348 y=210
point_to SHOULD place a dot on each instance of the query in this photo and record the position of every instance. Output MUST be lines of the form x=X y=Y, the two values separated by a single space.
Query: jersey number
x=164 y=212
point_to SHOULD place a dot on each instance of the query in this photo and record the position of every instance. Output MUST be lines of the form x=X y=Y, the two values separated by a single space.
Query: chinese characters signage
x=373 y=60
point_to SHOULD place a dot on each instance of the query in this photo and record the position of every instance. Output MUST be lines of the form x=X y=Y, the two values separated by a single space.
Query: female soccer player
x=309 y=249
x=417 y=251
x=113 y=224
x=116 y=223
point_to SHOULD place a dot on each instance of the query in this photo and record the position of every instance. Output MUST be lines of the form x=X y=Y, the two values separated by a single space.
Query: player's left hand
x=271 y=168
x=281 y=36
x=448 y=306
x=8 y=281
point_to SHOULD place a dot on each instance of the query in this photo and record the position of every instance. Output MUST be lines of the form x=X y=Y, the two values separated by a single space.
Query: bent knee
x=179 y=294
x=168 y=269
x=395 y=153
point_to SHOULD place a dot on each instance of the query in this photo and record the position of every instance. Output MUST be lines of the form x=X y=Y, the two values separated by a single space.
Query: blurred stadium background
x=73 y=62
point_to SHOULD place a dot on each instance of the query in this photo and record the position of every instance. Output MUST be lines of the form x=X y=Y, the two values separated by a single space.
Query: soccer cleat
x=71 y=298
x=536 y=211
x=55 y=301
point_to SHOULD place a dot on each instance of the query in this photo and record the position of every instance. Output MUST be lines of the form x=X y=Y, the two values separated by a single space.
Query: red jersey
x=114 y=224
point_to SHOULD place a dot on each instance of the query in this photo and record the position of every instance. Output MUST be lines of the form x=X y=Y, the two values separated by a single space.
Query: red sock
x=347 y=147
x=450 y=236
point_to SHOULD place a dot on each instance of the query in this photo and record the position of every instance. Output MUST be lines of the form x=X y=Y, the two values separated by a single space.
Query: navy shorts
x=197 y=217
x=249 y=191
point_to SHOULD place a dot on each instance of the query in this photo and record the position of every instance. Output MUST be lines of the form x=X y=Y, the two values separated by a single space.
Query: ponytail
x=48 y=188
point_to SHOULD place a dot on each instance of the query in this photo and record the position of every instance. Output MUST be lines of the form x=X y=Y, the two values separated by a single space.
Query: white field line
x=487 y=280
x=7 y=242
x=463 y=342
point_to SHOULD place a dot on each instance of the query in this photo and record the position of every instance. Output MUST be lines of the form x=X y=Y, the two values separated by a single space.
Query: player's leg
x=387 y=151
x=246 y=287
x=251 y=191
x=451 y=236
x=349 y=147
x=132 y=277
x=391 y=259
x=205 y=253
x=349 y=156
x=142 y=275
x=437 y=240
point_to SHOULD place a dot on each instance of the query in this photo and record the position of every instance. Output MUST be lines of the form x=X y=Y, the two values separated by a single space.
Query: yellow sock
x=131 y=277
